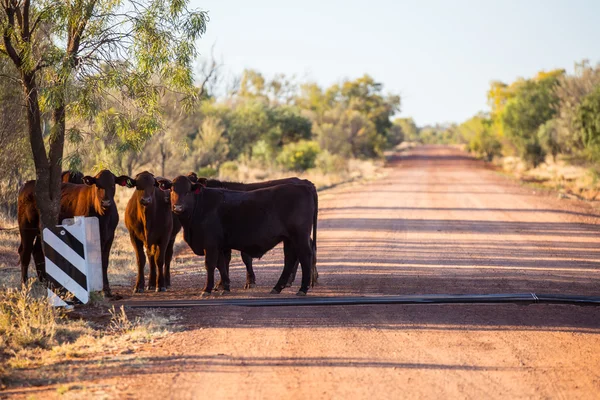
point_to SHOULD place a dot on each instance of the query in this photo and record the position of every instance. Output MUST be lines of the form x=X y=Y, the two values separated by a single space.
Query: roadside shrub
x=549 y=139
x=331 y=163
x=587 y=120
x=263 y=153
x=533 y=154
x=26 y=318
x=486 y=145
x=299 y=156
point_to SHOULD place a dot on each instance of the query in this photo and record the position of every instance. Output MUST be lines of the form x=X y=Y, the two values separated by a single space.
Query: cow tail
x=315 y=273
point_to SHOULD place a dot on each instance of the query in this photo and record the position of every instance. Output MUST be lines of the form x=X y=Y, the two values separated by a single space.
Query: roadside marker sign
x=73 y=259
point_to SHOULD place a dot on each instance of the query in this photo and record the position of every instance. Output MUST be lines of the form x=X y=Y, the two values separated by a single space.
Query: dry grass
x=35 y=335
x=579 y=181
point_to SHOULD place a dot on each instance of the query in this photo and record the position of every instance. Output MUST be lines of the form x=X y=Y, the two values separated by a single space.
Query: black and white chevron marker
x=72 y=259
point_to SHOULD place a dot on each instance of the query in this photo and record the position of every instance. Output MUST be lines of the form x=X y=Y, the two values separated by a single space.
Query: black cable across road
x=517 y=298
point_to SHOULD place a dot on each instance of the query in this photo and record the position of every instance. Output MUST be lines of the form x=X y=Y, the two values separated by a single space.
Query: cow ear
x=165 y=184
x=89 y=180
x=124 y=180
x=196 y=188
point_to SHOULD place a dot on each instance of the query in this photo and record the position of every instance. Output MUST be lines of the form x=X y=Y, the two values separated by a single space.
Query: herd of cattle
x=216 y=217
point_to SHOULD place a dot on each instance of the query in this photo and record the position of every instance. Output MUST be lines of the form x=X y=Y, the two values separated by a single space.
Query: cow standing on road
x=246 y=187
x=93 y=199
x=149 y=219
x=215 y=220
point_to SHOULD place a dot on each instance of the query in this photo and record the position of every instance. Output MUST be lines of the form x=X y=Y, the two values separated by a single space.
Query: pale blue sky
x=438 y=55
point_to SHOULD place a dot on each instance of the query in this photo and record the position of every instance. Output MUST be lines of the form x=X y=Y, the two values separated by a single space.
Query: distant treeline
x=552 y=114
x=275 y=123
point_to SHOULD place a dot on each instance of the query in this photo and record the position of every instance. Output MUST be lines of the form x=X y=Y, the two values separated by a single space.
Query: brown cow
x=245 y=187
x=215 y=220
x=94 y=199
x=30 y=217
x=149 y=219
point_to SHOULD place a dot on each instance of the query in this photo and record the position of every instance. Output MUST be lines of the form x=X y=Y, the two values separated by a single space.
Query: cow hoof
x=289 y=284
x=138 y=290
x=151 y=288
x=107 y=293
x=250 y=286
x=205 y=294
x=161 y=289
x=275 y=291
x=301 y=293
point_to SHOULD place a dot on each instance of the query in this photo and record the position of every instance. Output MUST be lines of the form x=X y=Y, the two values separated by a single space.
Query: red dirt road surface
x=439 y=222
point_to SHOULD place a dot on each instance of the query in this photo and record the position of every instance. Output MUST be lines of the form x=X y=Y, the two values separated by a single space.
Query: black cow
x=215 y=220
x=246 y=187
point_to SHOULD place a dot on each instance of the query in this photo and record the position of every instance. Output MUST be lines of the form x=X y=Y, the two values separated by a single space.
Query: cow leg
x=150 y=251
x=226 y=260
x=105 y=256
x=304 y=250
x=168 y=258
x=314 y=276
x=25 y=249
x=211 y=259
x=223 y=266
x=105 y=284
x=250 y=277
x=39 y=259
x=292 y=277
x=159 y=260
x=138 y=247
x=289 y=253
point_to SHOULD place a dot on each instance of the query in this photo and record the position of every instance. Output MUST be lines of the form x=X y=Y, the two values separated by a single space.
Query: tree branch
x=10 y=50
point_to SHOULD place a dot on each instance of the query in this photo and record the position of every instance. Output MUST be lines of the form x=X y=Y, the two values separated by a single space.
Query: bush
x=299 y=156
x=228 y=171
x=587 y=120
x=533 y=154
x=263 y=153
x=486 y=145
x=331 y=163
x=26 y=318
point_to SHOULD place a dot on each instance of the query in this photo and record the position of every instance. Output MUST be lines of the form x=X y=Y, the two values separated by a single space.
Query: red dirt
x=440 y=222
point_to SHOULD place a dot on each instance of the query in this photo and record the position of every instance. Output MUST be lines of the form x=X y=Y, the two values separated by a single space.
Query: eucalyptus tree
x=104 y=62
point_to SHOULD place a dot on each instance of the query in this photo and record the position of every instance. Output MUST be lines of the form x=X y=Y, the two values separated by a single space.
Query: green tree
x=409 y=128
x=588 y=121
x=533 y=103
x=548 y=136
x=70 y=55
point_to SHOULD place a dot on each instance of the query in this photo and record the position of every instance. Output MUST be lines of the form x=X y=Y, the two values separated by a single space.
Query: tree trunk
x=47 y=172
x=163 y=160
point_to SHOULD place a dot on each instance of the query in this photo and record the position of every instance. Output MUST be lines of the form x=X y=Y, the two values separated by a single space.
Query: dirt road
x=440 y=222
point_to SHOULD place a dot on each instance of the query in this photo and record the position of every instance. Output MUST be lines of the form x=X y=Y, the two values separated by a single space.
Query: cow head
x=144 y=184
x=104 y=182
x=166 y=193
x=183 y=193
x=192 y=176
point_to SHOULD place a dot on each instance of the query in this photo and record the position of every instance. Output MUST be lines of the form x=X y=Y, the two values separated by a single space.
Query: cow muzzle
x=146 y=201
x=177 y=208
x=106 y=203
